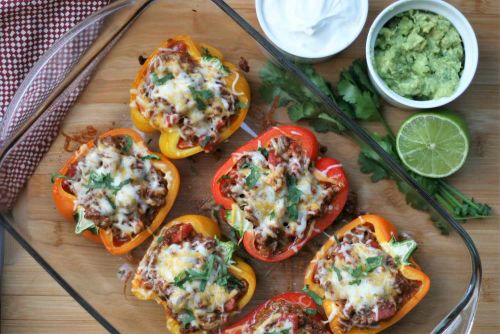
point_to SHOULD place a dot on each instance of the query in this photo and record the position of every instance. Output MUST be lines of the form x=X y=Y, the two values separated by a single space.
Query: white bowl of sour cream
x=312 y=31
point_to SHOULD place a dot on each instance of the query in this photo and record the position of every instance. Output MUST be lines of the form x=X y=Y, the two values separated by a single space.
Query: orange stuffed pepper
x=194 y=275
x=191 y=95
x=116 y=190
x=366 y=277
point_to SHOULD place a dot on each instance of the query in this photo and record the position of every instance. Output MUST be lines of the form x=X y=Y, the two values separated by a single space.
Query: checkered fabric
x=27 y=30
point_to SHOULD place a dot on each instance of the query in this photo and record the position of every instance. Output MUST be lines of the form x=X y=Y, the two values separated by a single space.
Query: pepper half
x=384 y=232
x=329 y=168
x=65 y=201
x=296 y=298
x=239 y=269
x=169 y=139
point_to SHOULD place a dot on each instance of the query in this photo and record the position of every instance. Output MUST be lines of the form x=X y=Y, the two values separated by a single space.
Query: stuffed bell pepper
x=191 y=95
x=366 y=277
x=194 y=275
x=277 y=193
x=290 y=313
x=116 y=190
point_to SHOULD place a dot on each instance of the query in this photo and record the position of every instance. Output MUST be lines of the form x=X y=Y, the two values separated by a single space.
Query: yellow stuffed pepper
x=194 y=276
x=191 y=95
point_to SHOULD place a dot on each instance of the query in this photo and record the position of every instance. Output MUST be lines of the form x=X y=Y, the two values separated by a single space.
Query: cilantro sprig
x=357 y=98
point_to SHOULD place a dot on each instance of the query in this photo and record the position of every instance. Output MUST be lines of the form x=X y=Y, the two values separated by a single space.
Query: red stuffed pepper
x=277 y=193
x=291 y=312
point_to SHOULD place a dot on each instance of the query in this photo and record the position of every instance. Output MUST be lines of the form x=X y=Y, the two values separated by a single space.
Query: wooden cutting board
x=31 y=302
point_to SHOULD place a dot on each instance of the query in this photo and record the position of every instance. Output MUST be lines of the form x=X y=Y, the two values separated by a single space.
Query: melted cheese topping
x=359 y=277
x=192 y=98
x=267 y=201
x=161 y=265
x=375 y=285
x=115 y=188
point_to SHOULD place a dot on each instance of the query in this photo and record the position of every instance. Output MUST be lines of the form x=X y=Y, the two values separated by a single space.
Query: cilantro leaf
x=186 y=318
x=263 y=151
x=151 y=157
x=317 y=299
x=161 y=81
x=228 y=249
x=128 y=144
x=310 y=311
x=55 y=176
x=206 y=140
x=374 y=262
x=201 y=97
x=337 y=272
x=223 y=177
x=253 y=177
x=293 y=198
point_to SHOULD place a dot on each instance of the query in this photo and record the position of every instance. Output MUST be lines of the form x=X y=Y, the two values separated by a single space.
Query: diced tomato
x=230 y=305
x=178 y=46
x=182 y=233
x=273 y=159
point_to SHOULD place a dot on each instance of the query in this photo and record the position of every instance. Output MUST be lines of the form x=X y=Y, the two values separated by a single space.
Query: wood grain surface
x=32 y=302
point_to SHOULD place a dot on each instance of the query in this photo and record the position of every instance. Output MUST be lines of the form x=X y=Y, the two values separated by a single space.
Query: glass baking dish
x=127 y=30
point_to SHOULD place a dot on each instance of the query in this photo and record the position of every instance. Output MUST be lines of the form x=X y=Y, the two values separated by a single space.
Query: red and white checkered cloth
x=27 y=29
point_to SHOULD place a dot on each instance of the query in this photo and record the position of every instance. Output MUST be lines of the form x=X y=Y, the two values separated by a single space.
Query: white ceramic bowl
x=464 y=29
x=324 y=55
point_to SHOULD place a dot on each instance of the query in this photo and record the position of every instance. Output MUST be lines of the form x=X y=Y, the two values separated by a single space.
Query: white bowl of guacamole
x=421 y=53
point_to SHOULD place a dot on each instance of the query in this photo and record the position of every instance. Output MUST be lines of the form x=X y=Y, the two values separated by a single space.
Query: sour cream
x=312 y=29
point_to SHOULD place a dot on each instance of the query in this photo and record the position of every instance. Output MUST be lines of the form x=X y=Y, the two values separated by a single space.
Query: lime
x=433 y=144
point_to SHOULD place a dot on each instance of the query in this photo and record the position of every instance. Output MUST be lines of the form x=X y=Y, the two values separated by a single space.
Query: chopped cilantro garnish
x=161 y=81
x=253 y=177
x=55 y=176
x=214 y=270
x=227 y=215
x=101 y=181
x=293 y=197
x=206 y=55
x=310 y=311
x=272 y=215
x=151 y=157
x=337 y=271
x=223 y=177
x=201 y=97
x=374 y=262
x=206 y=140
x=186 y=318
x=128 y=144
x=281 y=331
x=263 y=151
x=317 y=299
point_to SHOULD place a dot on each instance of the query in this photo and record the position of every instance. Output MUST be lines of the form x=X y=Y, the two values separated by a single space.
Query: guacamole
x=419 y=55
